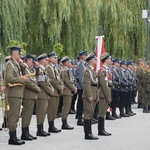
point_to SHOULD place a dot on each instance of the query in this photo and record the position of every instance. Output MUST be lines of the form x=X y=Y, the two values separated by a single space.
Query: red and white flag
x=100 y=49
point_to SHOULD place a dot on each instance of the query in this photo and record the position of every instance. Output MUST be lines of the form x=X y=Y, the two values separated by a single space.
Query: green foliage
x=74 y=24
x=58 y=48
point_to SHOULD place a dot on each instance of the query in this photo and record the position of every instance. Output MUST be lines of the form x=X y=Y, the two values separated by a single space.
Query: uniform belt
x=94 y=85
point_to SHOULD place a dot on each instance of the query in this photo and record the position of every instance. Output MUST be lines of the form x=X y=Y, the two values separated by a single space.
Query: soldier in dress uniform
x=90 y=95
x=139 y=73
x=15 y=87
x=131 y=85
x=123 y=89
x=69 y=89
x=57 y=83
x=74 y=98
x=104 y=93
x=5 y=122
x=30 y=95
x=146 y=91
x=115 y=90
x=79 y=75
x=43 y=96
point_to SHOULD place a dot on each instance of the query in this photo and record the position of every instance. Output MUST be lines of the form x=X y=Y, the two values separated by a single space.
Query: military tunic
x=15 y=93
x=90 y=90
x=30 y=95
x=57 y=83
x=105 y=91
x=69 y=88
x=43 y=96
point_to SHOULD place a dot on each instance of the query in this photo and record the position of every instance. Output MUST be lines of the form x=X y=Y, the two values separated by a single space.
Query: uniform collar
x=42 y=67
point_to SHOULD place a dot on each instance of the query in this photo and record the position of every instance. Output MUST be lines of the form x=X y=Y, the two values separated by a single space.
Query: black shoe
x=90 y=136
x=72 y=112
x=33 y=137
x=41 y=132
x=1 y=129
x=65 y=125
x=13 y=140
x=103 y=133
x=54 y=130
x=95 y=120
x=146 y=111
x=115 y=115
x=25 y=135
x=80 y=121
x=110 y=118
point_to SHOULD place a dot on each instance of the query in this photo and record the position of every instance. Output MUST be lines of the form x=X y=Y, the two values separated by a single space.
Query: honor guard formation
x=56 y=87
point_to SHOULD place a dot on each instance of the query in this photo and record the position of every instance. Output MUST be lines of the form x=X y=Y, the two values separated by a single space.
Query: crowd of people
x=56 y=87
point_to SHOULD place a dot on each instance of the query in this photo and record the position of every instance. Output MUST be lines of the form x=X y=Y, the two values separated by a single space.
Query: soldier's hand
x=91 y=99
x=75 y=90
x=2 y=88
x=25 y=78
x=109 y=100
x=97 y=100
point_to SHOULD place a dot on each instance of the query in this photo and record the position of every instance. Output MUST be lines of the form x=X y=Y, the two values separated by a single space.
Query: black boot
x=145 y=109
x=33 y=137
x=122 y=114
x=88 y=131
x=109 y=117
x=131 y=112
x=41 y=132
x=115 y=115
x=140 y=105
x=52 y=128
x=1 y=129
x=101 y=128
x=65 y=125
x=13 y=140
x=80 y=121
x=25 y=135
x=127 y=111
x=5 y=123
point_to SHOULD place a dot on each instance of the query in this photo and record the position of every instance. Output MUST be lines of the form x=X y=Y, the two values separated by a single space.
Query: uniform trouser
x=80 y=103
x=27 y=111
x=14 y=104
x=41 y=110
x=103 y=106
x=145 y=99
x=73 y=101
x=128 y=99
x=60 y=104
x=66 y=106
x=115 y=100
x=140 y=94
x=53 y=103
x=123 y=98
x=88 y=108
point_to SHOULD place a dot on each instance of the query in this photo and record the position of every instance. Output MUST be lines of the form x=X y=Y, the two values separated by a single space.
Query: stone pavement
x=131 y=133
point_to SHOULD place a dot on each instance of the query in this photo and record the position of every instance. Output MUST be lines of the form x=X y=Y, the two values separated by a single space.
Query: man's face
x=53 y=59
x=17 y=55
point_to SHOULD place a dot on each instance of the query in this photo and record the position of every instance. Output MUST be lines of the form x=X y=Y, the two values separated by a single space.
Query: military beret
x=65 y=59
x=43 y=56
x=129 y=63
x=122 y=62
x=15 y=48
x=90 y=56
x=31 y=57
x=116 y=60
x=52 y=54
x=104 y=56
x=83 y=53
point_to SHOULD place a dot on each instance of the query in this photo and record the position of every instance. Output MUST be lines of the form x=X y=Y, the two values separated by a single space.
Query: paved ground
x=131 y=133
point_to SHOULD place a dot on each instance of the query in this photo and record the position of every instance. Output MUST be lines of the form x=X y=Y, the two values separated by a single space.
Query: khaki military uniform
x=43 y=96
x=90 y=82
x=30 y=95
x=105 y=91
x=69 y=87
x=57 y=84
x=15 y=92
